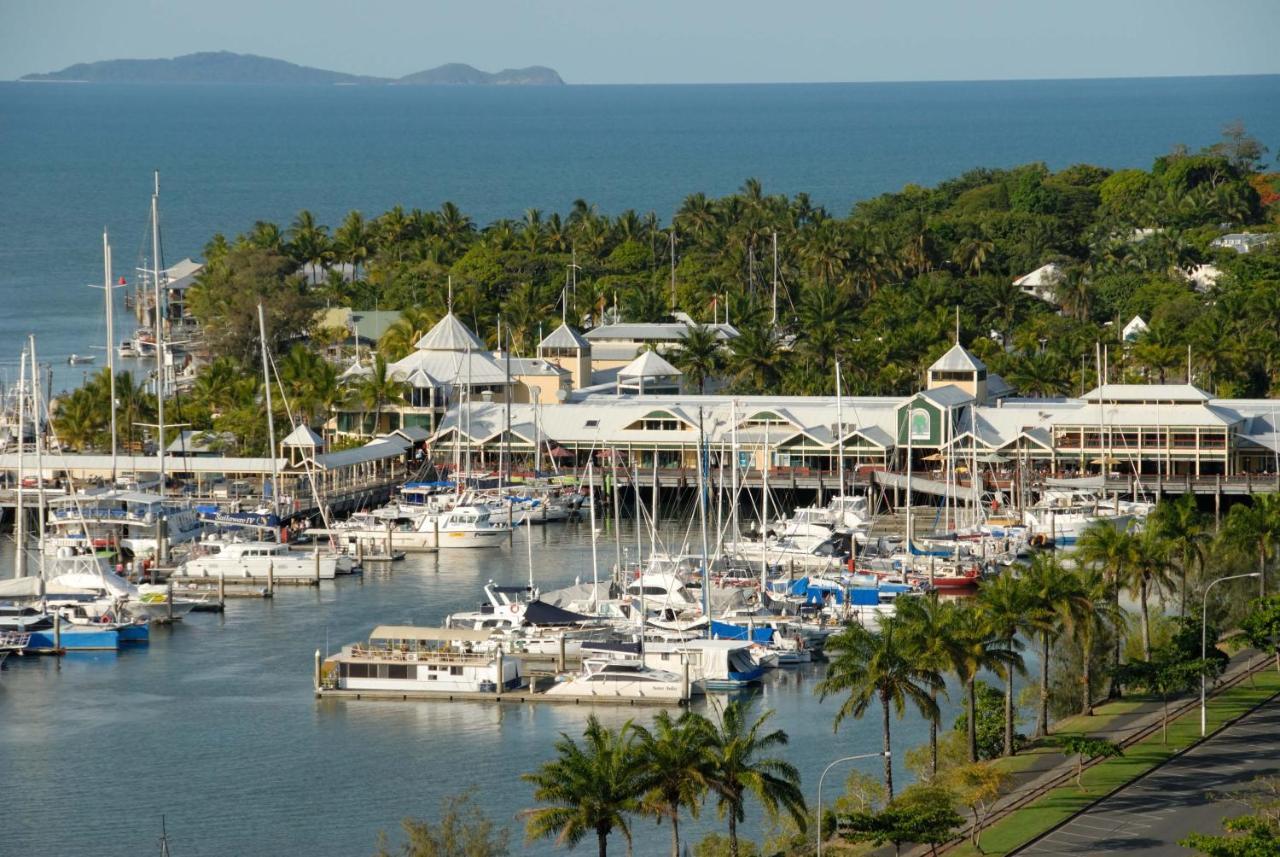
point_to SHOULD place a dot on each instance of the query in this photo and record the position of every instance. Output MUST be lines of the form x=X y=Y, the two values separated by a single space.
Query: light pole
x=824 y=776
x=1204 y=641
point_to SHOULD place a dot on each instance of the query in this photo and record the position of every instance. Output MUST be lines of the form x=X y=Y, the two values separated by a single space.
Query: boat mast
x=733 y=477
x=271 y=419
x=764 y=512
x=702 y=520
x=775 y=282
x=595 y=567
x=36 y=427
x=107 y=286
x=159 y=333
x=20 y=523
x=839 y=437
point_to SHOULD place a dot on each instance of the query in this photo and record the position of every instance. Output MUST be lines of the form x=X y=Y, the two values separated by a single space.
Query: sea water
x=77 y=158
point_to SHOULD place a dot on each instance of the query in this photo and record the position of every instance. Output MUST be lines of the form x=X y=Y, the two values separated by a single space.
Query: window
x=399 y=671
x=455 y=670
x=593 y=423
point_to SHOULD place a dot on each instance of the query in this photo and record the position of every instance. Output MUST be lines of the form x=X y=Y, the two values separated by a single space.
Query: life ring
x=105 y=618
x=514 y=608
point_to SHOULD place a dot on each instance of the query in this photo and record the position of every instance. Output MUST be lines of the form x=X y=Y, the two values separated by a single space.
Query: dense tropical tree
x=1054 y=595
x=1185 y=531
x=1110 y=550
x=699 y=356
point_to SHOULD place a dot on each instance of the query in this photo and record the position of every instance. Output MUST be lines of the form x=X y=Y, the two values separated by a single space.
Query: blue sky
x=669 y=41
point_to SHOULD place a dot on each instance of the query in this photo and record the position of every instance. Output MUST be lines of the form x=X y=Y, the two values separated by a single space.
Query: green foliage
x=990 y=723
x=717 y=845
x=1257 y=837
x=1261 y=627
x=461 y=830
x=922 y=814
x=1087 y=748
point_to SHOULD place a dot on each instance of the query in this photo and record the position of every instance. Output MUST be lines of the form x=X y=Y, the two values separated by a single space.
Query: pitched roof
x=1045 y=275
x=564 y=336
x=450 y=334
x=649 y=364
x=958 y=359
x=303 y=436
x=1147 y=393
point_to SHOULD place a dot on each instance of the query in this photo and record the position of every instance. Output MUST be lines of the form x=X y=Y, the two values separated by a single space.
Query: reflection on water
x=214 y=725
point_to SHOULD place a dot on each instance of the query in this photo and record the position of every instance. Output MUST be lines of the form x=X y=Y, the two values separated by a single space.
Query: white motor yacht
x=256 y=561
x=617 y=672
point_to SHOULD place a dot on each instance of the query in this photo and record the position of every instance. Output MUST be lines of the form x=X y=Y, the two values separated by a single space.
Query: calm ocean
x=214 y=724
x=75 y=158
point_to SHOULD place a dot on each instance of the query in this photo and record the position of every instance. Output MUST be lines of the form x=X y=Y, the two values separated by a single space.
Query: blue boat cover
x=727 y=631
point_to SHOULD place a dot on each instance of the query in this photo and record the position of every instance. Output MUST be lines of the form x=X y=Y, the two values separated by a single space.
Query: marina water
x=215 y=725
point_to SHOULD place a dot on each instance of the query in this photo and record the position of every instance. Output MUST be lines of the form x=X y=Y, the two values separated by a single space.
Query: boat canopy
x=541 y=613
x=727 y=631
x=435 y=635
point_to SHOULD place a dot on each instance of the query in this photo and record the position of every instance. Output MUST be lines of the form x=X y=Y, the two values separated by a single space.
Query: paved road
x=1184 y=796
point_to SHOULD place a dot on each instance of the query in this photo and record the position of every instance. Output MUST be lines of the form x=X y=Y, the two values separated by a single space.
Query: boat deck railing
x=382 y=653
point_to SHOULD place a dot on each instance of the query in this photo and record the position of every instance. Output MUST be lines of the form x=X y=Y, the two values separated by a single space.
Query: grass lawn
x=1063 y=802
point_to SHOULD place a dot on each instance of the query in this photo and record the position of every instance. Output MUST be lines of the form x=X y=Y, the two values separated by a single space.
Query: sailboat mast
x=159 y=332
x=271 y=418
x=733 y=475
x=702 y=520
x=591 y=501
x=764 y=512
x=20 y=523
x=775 y=280
x=111 y=351
x=840 y=435
x=35 y=424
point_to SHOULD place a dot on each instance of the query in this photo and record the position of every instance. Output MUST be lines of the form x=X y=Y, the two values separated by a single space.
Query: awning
x=439 y=635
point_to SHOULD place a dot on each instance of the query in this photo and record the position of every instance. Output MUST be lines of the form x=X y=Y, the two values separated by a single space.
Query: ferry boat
x=617 y=672
x=407 y=658
x=256 y=561
x=119 y=517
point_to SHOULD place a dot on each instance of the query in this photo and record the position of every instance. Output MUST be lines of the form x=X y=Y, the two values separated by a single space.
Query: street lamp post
x=1204 y=642
x=824 y=776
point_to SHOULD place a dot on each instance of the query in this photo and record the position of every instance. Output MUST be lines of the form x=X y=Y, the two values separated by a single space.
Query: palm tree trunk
x=1115 y=691
x=1262 y=569
x=1182 y=582
x=602 y=842
x=1042 y=723
x=733 y=834
x=675 y=834
x=888 y=761
x=933 y=737
x=1146 y=620
x=972 y=719
x=1008 y=710
x=1086 y=706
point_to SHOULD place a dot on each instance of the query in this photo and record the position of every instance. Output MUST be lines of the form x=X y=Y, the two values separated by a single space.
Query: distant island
x=227 y=67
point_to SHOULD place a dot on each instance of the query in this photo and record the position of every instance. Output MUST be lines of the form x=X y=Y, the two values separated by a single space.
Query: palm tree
x=589 y=788
x=676 y=767
x=400 y=337
x=1093 y=612
x=1005 y=607
x=929 y=632
x=309 y=241
x=1148 y=569
x=700 y=354
x=1184 y=528
x=1109 y=550
x=377 y=389
x=1255 y=527
x=879 y=665
x=979 y=650
x=755 y=359
x=739 y=769
x=78 y=420
x=971 y=254
x=1053 y=593
x=353 y=240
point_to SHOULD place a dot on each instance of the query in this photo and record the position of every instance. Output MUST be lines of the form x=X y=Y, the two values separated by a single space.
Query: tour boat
x=256 y=561
x=127 y=519
x=406 y=658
